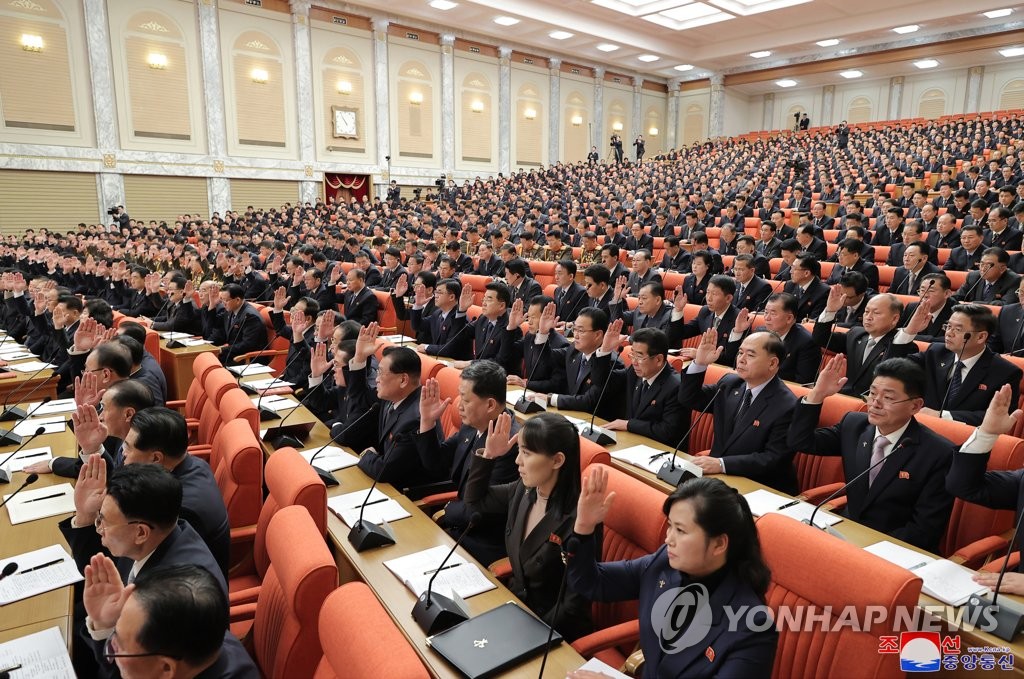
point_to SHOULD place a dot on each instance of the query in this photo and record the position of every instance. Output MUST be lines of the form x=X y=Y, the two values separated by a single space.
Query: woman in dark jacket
x=540 y=511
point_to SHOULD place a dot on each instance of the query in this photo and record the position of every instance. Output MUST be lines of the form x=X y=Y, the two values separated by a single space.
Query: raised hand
x=708 y=350
x=297 y=275
x=300 y=323
x=85 y=334
x=830 y=380
x=104 y=593
x=420 y=296
x=402 y=285
x=90 y=490
x=998 y=418
x=836 y=299
x=515 y=315
x=366 y=343
x=466 y=298
x=594 y=502
x=499 y=437
x=318 y=363
x=743 y=320
x=679 y=300
x=325 y=326
x=280 y=299
x=87 y=389
x=547 y=319
x=919 y=321
x=621 y=283
x=90 y=432
x=189 y=289
x=612 y=336
x=431 y=405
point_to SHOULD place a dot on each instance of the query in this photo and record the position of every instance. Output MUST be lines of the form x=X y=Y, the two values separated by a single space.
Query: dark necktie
x=955 y=382
x=748 y=396
x=582 y=370
x=986 y=296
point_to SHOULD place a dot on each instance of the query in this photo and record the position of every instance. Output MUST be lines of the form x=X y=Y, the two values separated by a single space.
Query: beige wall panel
x=165 y=198
x=342 y=54
x=35 y=87
x=262 y=193
x=55 y=200
x=159 y=97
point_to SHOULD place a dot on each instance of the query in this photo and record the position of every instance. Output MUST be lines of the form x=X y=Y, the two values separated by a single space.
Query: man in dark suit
x=820 y=220
x=967 y=256
x=610 y=259
x=1009 y=337
x=540 y=365
x=570 y=296
x=651 y=406
x=423 y=294
x=482 y=392
x=903 y=493
x=180 y=313
x=769 y=246
x=849 y=256
x=596 y=281
x=642 y=273
x=936 y=296
x=490 y=339
x=856 y=296
x=311 y=284
x=235 y=325
x=811 y=244
x=1000 y=233
x=462 y=262
x=751 y=291
x=806 y=286
x=445 y=327
x=945 y=234
x=675 y=258
x=393 y=269
x=802 y=356
x=489 y=264
x=863 y=346
x=906 y=280
x=892 y=232
x=993 y=283
x=717 y=313
x=139 y=301
x=752 y=414
x=638 y=239
x=650 y=311
x=300 y=334
x=360 y=304
x=963 y=373
x=799 y=202
x=519 y=282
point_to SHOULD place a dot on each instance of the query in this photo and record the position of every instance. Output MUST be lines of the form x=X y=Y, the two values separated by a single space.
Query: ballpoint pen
x=45 y=497
x=41 y=566
x=25 y=457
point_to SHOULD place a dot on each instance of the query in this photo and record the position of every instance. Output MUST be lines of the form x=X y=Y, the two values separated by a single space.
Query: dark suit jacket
x=1009 y=239
x=859 y=372
x=202 y=505
x=818 y=248
x=811 y=303
x=696 y=291
x=445 y=335
x=581 y=389
x=937 y=240
x=246 y=333
x=494 y=267
x=140 y=303
x=680 y=263
x=297 y=361
x=908 y=499
x=865 y=267
x=990 y=373
x=182 y=317
x=569 y=303
x=635 y=282
x=402 y=313
x=736 y=653
x=755 y=294
x=493 y=343
x=540 y=363
x=634 y=320
x=680 y=330
x=535 y=558
x=526 y=291
x=772 y=248
x=655 y=413
x=969 y=480
x=361 y=306
x=152 y=375
x=803 y=356
x=901 y=276
x=934 y=332
x=754 y=445
x=959 y=260
x=973 y=290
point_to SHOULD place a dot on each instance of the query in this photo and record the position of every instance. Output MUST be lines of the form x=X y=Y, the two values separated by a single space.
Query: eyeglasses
x=101 y=524
x=946 y=327
x=884 y=399
x=109 y=652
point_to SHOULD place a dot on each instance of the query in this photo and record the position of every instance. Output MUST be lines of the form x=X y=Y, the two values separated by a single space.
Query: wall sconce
x=617 y=126
x=530 y=114
x=477 y=107
x=653 y=132
x=31 y=43
x=157 y=61
x=416 y=98
x=344 y=87
x=576 y=121
x=259 y=76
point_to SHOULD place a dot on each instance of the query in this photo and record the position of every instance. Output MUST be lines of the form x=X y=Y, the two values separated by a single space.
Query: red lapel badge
x=905 y=475
x=710 y=654
x=982 y=387
x=555 y=539
x=757 y=423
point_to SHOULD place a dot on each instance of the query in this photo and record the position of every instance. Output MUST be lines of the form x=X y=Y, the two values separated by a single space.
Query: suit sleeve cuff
x=979 y=443
x=315 y=381
x=903 y=337
x=827 y=317
x=677 y=315
x=553 y=400
x=695 y=368
x=721 y=461
x=600 y=353
x=354 y=365
x=97 y=634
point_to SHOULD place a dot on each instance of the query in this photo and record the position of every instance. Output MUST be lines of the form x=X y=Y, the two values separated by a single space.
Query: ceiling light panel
x=559 y=35
x=761 y=55
x=903 y=30
x=831 y=42
x=506 y=21
x=998 y=13
x=849 y=75
x=750 y=7
x=786 y=83
x=443 y=5
x=636 y=8
x=684 y=67
x=648 y=58
x=1012 y=52
x=926 y=63
x=607 y=47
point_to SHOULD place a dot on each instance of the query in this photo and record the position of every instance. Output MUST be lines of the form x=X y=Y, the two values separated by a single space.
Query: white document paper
x=268 y=382
x=398 y=339
x=53 y=424
x=40 y=503
x=379 y=507
x=27 y=456
x=464 y=578
x=200 y=341
x=275 y=403
x=42 y=655
x=63 y=405
x=948 y=582
x=762 y=501
x=175 y=335
x=899 y=555
x=595 y=665
x=251 y=369
x=331 y=459
x=38 y=571
x=640 y=456
x=802 y=511
x=31 y=366
x=18 y=355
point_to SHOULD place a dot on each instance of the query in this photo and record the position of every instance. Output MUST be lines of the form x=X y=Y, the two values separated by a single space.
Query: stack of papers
x=54 y=424
x=16 y=355
x=331 y=459
x=25 y=457
x=458 y=575
x=766 y=502
x=640 y=456
x=31 y=366
x=175 y=335
x=251 y=369
x=595 y=665
x=38 y=571
x=379 y=508
x=277 y=403
x=63 y=405
x=42 y=655
x=268 y=382
x=398 y=339
x=944 y=580
x=195 y=342
x=41 y=503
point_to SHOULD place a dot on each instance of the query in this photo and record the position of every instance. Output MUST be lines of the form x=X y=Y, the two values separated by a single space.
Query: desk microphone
x=433 y=612
x=10 y=569
x=365 y=534
x=286 y=439
x=592 y=433
x=268 y=413
x=970 y=290
x=15 y=413
x=669 y=472
x=5 y=476
x=566 y=557
x=942 y=405
x=524 y=405
x=440 y=352
x=32 y=478
x=1009 y=619
x=846 y=485
x=161 y=309
x=327 y=477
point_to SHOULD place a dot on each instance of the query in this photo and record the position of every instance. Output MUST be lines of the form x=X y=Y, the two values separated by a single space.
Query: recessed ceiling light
x=560 y=35
x=851 y=74
x=607 y=47
x=998 y=13
x=506 y=21
x=443 y=5
x=1012 y=52
x=684 y=67
x=760 y=55
x=648 y=58
x=926 y=63
x=906 y=29
x=785 y=83
x=831 y=42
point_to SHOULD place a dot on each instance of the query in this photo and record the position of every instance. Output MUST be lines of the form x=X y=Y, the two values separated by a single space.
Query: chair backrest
x=800 y=585
x=448 y=379
x=239 y=472
x=152 y=344
x=219 y=381
x=386 y=316
x=592 y=453
x=236 y=404
x=635 y=526
x=202 y=364
x=361 y=641
x=290 y=481
x=429 y=367
x=302 y=574
x=704 y=431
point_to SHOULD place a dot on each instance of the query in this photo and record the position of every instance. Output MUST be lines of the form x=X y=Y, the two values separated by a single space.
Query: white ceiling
x=789 y=33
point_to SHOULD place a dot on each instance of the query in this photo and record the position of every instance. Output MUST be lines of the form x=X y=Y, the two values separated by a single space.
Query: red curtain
x=343 y=187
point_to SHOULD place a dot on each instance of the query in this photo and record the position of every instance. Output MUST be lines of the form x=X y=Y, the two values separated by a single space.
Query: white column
x=554 y=108
x=828 y=102
x=672 y=111
x=505 y=106
x=218 y=188
x=895 y=97
x=717 y=114
x=637 y=127
x=110 y=188
x=304 y=95
x=382 y=97
x=447 y=103
x=597 y=137
x=972 y=100
x=768 y=112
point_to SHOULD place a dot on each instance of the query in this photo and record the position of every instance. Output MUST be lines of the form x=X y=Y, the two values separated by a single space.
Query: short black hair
x=502 y=292
x=905 y=371
x=598 y=273
x=404 y=361
x=146 y=492
x=137 y=331
x=811 y=263
x=518 y=267
x=855 y=280
x=982 y=319
x=655 y=339
x=114 y=356
x=488 y=379
x=788 y=301
x=135 y=349
x=598 y=318
x=724 y=283
x=162 y=429
x=234 y=290
x=130 y=394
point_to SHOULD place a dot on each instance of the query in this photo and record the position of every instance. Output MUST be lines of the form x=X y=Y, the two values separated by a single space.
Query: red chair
x=386 y=316
x=239 y=474
x=192 y=406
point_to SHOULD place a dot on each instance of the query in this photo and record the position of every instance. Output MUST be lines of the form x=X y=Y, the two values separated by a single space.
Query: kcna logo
x=681 y=617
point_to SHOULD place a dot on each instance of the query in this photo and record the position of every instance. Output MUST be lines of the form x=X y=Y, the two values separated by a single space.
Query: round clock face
x=345 y=123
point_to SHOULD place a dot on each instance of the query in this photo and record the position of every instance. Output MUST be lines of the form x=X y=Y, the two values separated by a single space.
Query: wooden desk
x=416 y=533
x=22 y=384
x=32 y=535
x=62 y=623
x=177 y=367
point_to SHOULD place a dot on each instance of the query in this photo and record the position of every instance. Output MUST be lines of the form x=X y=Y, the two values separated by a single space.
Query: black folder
x=493 y=641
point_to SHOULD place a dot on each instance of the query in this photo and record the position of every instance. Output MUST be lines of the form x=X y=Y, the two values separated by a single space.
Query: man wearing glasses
x=992 y=282
x=175 y=620
x=901 y=490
